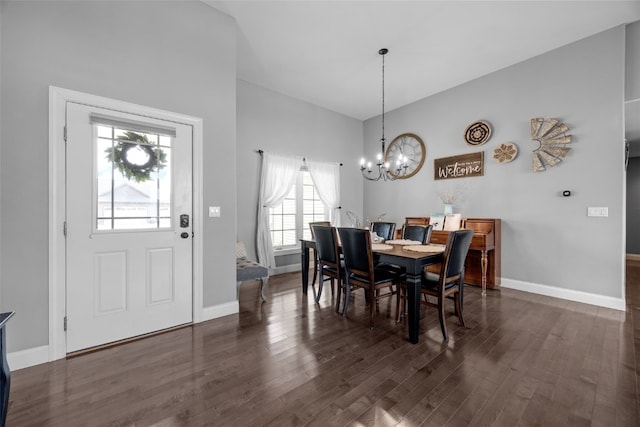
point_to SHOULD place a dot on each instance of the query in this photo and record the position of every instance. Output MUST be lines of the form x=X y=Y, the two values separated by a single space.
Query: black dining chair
x=449 y=282
x=315 y=252
x=360 y=271
x=418 y=233
x=328 y=259
x=415 y=232
x=385 y=230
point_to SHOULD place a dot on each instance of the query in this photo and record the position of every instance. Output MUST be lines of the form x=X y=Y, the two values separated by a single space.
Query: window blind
x=131 y=125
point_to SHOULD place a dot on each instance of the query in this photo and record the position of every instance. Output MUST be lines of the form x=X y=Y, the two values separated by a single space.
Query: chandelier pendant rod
x=383 y=52
x=383 y=167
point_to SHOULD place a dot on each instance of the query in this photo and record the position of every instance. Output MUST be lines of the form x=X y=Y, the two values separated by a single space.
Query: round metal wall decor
x=477 y=133
x=553 y=142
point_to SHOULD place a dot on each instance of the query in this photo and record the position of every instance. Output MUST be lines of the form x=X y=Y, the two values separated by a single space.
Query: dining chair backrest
x=455 y=254
x=322 y=223
x=385 y=230
x=356 y=249
x=326 y=244
x=419 y=233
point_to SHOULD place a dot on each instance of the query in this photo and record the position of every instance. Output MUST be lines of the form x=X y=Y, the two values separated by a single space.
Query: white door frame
x=58 y=97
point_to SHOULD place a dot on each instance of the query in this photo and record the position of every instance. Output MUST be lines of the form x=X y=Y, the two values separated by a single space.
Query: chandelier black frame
x=383 y=167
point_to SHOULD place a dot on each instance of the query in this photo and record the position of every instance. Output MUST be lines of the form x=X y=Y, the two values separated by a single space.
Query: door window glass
x=133 y=172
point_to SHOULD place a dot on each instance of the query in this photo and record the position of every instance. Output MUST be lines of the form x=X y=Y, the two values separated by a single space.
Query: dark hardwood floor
x=523 y=360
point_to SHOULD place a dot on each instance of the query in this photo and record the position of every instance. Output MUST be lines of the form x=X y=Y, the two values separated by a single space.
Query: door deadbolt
x=184 y=221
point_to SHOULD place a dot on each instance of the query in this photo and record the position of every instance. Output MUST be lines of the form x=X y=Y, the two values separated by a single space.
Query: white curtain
x=279 y=174
x=326 y=178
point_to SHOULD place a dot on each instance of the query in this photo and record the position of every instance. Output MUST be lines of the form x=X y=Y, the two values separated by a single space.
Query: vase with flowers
x=449 y=196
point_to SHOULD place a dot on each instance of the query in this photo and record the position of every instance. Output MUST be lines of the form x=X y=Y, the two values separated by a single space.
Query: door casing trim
x=58 y=97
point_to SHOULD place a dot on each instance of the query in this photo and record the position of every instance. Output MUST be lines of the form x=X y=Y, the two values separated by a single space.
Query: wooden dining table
x=413 y=262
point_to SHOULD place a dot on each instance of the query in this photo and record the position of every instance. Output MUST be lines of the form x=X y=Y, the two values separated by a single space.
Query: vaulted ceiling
x=326 y=52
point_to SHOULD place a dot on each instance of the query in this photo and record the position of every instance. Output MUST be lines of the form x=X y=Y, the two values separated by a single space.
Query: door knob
x=184 y=235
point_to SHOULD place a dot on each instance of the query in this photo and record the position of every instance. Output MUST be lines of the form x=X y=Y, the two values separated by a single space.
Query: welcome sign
x=461 y=166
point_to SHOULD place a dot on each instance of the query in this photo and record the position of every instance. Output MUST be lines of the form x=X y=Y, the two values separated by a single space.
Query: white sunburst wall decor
x=552 y=142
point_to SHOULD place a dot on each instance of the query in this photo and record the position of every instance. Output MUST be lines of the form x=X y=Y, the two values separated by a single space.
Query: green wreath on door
x=156 y=159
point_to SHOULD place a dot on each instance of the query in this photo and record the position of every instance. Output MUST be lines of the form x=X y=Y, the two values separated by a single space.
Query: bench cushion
x=248 y=270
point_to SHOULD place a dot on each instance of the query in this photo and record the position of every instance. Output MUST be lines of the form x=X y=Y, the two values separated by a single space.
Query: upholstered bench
x=250 y=270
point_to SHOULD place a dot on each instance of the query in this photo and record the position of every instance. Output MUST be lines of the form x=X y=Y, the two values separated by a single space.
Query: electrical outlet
x=214 y=211
x=597 y=211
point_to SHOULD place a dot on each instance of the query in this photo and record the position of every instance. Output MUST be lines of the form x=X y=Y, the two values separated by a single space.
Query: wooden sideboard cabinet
x=483 y=259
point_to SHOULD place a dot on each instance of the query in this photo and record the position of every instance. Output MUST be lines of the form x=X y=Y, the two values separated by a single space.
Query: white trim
x=58 y=97
x=29 y=357
x=221 y=310
x=198 y=221
x=633 y=257
x=285 y=269
x=292 y=250
x=568 y=294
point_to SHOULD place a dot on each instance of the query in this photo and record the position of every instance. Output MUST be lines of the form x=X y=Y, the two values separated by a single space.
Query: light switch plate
x=214 y=211
x=597 y=211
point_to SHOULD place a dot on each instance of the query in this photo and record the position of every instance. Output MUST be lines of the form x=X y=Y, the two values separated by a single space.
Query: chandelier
x=383 y=166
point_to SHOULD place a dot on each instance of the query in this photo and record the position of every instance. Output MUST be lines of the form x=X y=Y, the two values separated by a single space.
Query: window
x=283 y=221
x=133 y=173
x=290 y=220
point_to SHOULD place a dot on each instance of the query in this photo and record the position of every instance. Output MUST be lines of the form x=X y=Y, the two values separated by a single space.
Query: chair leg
x=320 y=286
x=372 y=298
x=443 y=324
x=264 y=285
x=398 y=297
x=401 y=305
x=338 y=296
x=315 y=269
x=458 y=302
x=404 y=303
x=347 y=294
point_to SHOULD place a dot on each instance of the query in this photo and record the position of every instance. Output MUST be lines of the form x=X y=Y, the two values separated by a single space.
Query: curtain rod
x=303 y=159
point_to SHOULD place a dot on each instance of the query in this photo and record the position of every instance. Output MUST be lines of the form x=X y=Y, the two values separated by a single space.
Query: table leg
x=483 y=263
x=413 y=294
x=304 y=254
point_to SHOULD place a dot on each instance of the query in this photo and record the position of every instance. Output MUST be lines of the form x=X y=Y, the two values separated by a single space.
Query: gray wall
x=632 y=93
x=177 y=56
x=632 y=64
x=633 y=206
x=279 y=124
x=547 y=239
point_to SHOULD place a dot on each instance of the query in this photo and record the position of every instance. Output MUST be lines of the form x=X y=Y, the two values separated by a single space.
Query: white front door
x=128 y=225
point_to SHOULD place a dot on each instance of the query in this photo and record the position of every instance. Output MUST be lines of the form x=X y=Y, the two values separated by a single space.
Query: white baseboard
x=37 y=355
x=568 y=294
x=29 y=357
x=285 y=269
x=209 y=313
x=633 y=257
